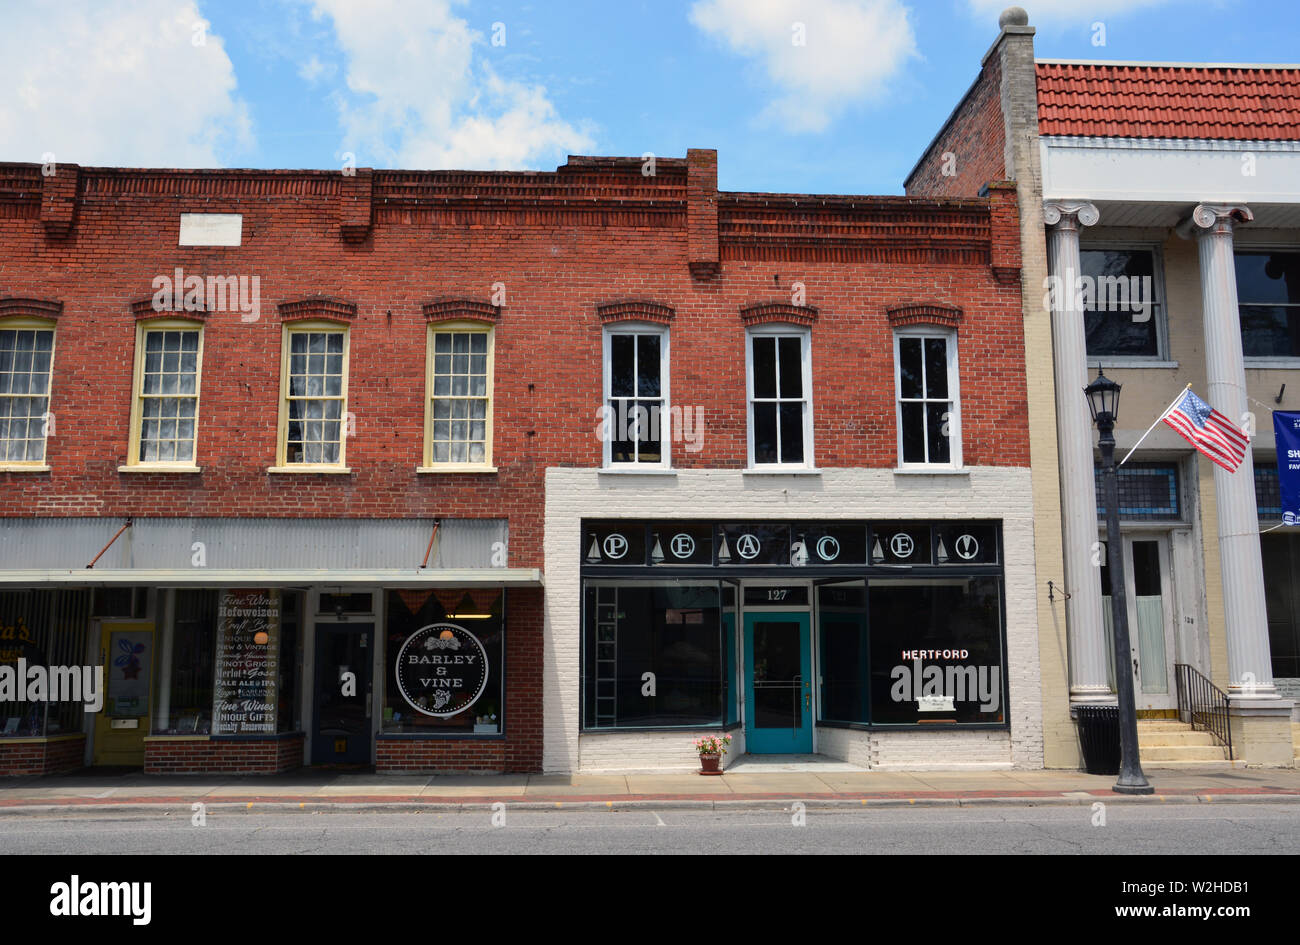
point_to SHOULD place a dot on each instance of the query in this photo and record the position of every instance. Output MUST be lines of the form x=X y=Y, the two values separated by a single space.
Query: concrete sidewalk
x=745 y=785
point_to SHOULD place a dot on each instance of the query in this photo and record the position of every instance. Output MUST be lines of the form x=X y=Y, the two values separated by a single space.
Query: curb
x=172 y=805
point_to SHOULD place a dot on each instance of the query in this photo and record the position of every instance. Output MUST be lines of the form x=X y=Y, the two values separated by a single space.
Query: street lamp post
x=1103 y=401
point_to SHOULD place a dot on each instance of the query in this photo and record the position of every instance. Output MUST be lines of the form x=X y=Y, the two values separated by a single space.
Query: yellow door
x=126 y=653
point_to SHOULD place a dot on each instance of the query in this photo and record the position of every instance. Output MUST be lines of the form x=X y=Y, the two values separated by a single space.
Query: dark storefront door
x=778 y=686
x=341 y=723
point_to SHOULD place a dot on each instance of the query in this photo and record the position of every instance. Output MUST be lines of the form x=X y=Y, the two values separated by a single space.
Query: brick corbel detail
x=1004 y=230
x=144 y=309
x=59 y=200
x=318 y=306
x=30 y=308
x=702 y=212
x=356 y=218
x=764 y=312
x=635 y=310
x=444 y=310
x=924 y=313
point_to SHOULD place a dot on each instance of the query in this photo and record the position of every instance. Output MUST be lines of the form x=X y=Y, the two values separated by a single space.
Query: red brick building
x=287 y=453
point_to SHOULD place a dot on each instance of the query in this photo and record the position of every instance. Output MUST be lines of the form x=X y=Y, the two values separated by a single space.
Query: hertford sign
x=442 y=669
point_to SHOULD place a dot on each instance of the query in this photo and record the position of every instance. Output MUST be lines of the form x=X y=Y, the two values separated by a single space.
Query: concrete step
x=1162 y=725
x=1222 y=764
x=1175 y=738
x=1182 y=753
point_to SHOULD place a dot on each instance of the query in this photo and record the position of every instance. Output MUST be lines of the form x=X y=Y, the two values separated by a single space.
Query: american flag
x=1208 y=430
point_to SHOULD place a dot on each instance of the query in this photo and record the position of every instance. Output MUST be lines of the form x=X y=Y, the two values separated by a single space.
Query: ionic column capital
x=1214 y=219
x=1070 y=214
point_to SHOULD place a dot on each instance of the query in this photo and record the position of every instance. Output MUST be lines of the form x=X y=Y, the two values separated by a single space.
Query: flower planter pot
x=710 y=764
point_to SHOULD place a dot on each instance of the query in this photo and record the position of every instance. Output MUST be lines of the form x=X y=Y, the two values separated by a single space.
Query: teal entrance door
x=778 y=684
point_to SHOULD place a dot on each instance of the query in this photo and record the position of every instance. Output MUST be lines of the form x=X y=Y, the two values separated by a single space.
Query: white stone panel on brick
x=211 y=229
x=987 y=493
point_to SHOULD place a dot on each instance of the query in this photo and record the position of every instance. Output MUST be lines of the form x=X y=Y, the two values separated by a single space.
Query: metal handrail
x=1203 y=704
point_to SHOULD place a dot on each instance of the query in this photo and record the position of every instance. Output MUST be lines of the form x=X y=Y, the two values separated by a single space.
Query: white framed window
x=458 y=400
x=929 y=402
x=1123 y=302
x=637 y=428
x=26 y=373
x=778 y=388
x=165 y=408
x=313 y=397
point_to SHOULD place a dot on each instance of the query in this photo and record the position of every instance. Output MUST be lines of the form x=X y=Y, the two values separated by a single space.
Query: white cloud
x=118 y=82
x=1061 y=12
x=417 y=95
x=313 y=70
x=850 y=49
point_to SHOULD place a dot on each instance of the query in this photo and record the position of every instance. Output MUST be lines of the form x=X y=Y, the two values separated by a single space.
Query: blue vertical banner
x=1286 y=434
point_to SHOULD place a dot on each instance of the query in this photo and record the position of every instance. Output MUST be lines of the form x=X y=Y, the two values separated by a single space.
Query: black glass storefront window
x=845 y=657
x=479 y=612
x=936 y=651
x=653 y=654
x=1281 y=554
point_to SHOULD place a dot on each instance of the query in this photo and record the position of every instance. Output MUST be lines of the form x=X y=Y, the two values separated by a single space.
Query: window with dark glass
x=936 y=650
x=479 y=612
x=1122 y=310
x=845 y=652
x=778 y=403
x=654 y=654
x=188 y=654
x=1281 y=556
x=927 y=398
x=637 y=414
x=1268 y=301
x=46 y=628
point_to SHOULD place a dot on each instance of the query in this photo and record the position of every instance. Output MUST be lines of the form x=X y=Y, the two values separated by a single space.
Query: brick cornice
x=639 y=310
x=441 y=310
x=924 y=313
x=145 y=309
x=763 y=312
x=318 y=306
x=30 y=308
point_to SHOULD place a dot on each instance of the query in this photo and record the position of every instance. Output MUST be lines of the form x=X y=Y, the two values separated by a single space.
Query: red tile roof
x=1241 y=103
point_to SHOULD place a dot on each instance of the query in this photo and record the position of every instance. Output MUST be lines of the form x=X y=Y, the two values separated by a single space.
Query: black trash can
x=1099 y=737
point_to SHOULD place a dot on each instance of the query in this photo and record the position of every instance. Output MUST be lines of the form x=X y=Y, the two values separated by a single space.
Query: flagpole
x=1153 y=426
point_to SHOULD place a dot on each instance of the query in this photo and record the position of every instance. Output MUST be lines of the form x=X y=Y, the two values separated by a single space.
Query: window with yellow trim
x=26 y=366
x=458 y=407
x=313 y=404
x=165 y=411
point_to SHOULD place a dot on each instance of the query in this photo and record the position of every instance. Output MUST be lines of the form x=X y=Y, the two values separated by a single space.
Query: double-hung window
x=779 y=388
x=636 y=417
x=458 y=405
x=925 y=362
x=26 y=363
x=1268 y=301
x=314 y=396
x=1123 y=306
x=165 y=409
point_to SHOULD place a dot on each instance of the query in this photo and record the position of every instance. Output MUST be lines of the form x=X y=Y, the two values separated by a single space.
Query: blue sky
x=439 y=83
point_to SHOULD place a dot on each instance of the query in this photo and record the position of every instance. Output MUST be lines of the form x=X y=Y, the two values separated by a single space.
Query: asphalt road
x=1199 y=829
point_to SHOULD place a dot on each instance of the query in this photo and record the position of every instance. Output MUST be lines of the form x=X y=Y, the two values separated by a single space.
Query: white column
x=1085 y=630
x=1250 y=667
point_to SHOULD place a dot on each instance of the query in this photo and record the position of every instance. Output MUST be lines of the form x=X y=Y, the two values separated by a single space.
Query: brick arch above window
x=145 y=309
x=318 y=307
x=30 y=308
x=635 y=310
x=924 y=313
x=443 y=310
x=762 y=313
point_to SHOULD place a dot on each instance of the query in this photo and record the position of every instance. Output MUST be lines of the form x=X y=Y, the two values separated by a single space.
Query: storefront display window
x=43 y=628
x=654 y=654
x=444 y=662
x=187 y=657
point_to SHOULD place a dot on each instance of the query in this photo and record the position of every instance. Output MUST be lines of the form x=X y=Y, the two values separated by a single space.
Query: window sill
x=633 y=471
x=1269 y=364
x=23 y=467
x=938 y=471
x=454 y=468
x=781 y=471
x=159 y=468
x=311 y=468
x=1125 y=363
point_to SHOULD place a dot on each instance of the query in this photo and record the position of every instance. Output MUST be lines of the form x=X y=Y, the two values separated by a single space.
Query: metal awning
x=214 y=577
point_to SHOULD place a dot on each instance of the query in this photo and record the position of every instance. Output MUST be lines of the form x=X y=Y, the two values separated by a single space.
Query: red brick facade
x=41 y=756
x=546 y=257
x=970 y=149
x=234 y=755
